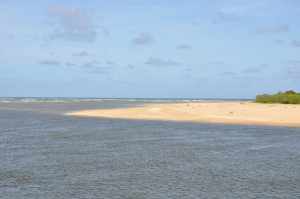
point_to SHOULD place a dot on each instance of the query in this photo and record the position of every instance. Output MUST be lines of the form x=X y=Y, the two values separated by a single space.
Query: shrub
x=288 y=97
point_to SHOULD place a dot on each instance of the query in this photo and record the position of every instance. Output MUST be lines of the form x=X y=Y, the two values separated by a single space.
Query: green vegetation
x=288 y=97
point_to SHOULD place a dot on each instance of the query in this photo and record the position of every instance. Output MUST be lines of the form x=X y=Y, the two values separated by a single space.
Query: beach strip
x=244 y=113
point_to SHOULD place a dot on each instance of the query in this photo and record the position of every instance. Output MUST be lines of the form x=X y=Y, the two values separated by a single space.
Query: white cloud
x=184 y=47
x=143 y=39
x=161 y=62
x=72 y=24
x=295 y=43
x=49 y=62
x=273 y=29
x=81 y=54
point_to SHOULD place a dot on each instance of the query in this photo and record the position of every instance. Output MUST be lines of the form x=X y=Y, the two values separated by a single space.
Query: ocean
x=44 y=154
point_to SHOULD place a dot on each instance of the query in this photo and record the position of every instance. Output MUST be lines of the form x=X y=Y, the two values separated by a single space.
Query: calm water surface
x=46 y=155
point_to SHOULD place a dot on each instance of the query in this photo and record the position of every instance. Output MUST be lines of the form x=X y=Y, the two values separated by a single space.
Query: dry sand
x=248 y=113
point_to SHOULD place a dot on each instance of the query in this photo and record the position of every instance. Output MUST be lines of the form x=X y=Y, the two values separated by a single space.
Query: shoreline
x=233 y=112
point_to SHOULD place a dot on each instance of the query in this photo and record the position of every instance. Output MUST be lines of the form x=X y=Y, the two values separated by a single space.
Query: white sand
x=208 y=112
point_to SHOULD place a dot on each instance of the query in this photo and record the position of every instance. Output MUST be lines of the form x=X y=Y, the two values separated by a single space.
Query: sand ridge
x=247 y=113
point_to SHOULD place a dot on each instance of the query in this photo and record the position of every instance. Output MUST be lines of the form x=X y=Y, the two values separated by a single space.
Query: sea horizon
x=74 y=99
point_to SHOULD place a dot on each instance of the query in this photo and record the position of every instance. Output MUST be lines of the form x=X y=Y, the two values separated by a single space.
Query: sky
x=149 y=48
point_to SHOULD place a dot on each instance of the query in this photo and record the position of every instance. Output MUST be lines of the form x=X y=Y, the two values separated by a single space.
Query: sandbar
x=234 y=112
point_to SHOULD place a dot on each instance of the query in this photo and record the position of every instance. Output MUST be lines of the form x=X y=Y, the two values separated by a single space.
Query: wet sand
x=245 y=113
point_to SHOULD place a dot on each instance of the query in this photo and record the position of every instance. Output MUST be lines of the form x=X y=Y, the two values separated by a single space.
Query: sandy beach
x=247 y=113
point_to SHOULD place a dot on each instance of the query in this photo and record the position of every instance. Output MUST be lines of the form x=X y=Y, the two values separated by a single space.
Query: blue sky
x=155 y=48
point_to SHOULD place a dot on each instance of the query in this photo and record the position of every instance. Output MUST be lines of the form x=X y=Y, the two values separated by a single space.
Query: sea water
x=44 y=154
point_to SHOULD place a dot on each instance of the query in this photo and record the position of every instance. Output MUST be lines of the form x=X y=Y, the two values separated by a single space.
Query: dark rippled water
x=46 y=155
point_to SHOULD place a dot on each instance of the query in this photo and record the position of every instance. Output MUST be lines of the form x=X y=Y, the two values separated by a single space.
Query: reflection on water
x=44 y=154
